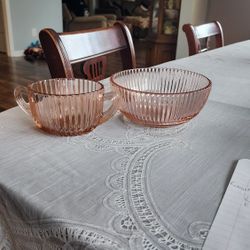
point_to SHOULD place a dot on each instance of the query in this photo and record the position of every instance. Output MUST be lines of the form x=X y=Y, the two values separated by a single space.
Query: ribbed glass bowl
x=160 y=97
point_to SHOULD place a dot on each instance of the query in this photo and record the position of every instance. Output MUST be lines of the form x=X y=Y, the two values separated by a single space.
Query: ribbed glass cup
x=65 y=106
x=160 y=97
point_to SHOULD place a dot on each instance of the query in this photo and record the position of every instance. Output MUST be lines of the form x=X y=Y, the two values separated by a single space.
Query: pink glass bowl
x=160 y=97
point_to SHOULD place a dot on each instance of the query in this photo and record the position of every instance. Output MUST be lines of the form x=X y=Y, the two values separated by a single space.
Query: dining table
x=122 y=185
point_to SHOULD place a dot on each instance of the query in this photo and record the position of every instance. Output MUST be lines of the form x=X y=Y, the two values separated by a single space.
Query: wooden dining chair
x=199 y=37
x=89 y=48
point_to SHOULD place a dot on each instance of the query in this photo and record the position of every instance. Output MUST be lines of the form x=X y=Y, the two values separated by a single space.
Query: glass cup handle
x=112 y=109
x=19 y=93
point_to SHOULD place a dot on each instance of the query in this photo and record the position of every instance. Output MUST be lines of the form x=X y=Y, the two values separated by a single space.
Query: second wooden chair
x=195 y=34
x=63 y=50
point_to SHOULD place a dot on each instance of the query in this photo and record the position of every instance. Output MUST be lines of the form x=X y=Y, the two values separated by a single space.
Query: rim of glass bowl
x=29 y=87
x=159 y=93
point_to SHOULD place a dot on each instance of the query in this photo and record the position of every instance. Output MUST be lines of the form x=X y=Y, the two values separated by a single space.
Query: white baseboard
x=17 y=53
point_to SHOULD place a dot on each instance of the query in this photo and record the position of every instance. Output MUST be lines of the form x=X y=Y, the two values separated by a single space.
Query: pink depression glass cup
x=160 y=97
x=66 y=106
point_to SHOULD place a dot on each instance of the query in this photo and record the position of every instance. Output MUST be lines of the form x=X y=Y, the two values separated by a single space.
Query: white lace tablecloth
x=124 y=186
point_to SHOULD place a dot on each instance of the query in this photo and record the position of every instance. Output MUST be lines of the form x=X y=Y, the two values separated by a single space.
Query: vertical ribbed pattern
x=160 y=96
x=66 y=106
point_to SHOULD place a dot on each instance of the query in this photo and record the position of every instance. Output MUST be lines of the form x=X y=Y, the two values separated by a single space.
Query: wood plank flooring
x=17 y=71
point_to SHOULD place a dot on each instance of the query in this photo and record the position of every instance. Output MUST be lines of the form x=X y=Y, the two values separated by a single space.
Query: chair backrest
x=63 y=50
x=203 y=32
x=95 y=68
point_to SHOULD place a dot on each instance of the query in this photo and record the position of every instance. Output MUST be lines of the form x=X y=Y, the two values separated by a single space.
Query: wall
x=194 y=12
x=28 y=17
x=234 y=17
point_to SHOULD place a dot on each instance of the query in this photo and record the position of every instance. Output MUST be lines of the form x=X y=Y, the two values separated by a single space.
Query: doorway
x=3 y=47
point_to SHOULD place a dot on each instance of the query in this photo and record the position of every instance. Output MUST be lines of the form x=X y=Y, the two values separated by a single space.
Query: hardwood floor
x=17 y=71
